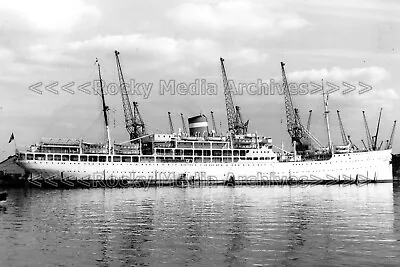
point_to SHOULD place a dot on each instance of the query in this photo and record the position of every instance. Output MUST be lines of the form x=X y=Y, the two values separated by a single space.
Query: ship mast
x=105 y=109
x=326 y=114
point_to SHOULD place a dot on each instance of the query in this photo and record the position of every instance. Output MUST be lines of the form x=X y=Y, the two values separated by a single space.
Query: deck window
x=83 y=158
x=65 y=157
x=217 y=160
x=135 y=159
x=50 y=157
x=126 y=159
x=148 y=159
x=21 y=156
x=40 y=157
x=102 y=158
x=216 y=153
x=227 y=152
x=93 y=158
x=57 y=157
x=74 y=157
x=117 y=159
x=198 y=153
x=188 y=152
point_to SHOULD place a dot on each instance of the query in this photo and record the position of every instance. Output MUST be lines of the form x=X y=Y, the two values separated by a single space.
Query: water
x=218 y=226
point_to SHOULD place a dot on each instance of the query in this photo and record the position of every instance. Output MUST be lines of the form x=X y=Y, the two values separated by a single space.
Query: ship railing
x=59 y=142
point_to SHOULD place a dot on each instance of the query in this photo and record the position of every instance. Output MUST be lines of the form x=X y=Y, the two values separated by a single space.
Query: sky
x=167 y=46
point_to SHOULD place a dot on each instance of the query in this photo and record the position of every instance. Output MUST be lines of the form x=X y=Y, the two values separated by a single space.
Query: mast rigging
x=105 y=109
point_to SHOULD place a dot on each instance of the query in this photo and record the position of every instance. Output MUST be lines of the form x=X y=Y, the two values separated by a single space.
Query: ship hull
x=351 y=167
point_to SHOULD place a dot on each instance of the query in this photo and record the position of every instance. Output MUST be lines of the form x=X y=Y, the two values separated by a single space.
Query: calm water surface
x=219 y=226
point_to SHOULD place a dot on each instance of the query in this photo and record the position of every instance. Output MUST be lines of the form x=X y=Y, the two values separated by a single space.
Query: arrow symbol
x=67 y=181
x=83 y=88
x=331 y=180
x=34 y=182
x=365 y=89
x=67 y=86
x=34 y=88
x=333 y=89
x=83 y=182
x=317 y=87
x=350 y=88
x=50 y=88
x=49 y=180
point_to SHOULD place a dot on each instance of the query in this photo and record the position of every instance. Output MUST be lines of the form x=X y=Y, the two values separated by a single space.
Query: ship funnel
x=198 y=126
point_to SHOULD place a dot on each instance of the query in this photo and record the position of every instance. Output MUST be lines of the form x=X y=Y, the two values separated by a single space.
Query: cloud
x=155 y=51
x=152 y=51
x=371 y=74
x=236 y=15
x=49 y=14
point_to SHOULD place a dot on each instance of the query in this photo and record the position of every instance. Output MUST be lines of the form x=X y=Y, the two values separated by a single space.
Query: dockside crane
x=133 y=121
x=171 y=126
x=245 y=125
x=297 y=132
x=138 y=123
x=235 y=125
x=345 y=138
x=213 y=123
x=368 y=133
x=184 y=129
x=390 y=142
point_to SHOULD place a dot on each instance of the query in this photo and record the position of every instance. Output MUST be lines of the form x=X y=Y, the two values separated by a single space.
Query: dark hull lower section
x=69 y=184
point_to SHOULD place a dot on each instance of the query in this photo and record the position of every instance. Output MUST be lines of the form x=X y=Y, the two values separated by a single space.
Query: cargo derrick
x=367 y=133
x=390 y=141
x=213 y=123
x=345 y=138
x=184 y=129
x=171 y=126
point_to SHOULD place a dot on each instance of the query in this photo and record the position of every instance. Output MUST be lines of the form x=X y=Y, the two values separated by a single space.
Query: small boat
x=3 y=196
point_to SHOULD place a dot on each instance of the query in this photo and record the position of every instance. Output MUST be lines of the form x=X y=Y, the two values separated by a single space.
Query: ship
x=200 y=155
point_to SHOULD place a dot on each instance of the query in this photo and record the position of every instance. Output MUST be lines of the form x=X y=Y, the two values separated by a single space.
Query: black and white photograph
x=199 y=133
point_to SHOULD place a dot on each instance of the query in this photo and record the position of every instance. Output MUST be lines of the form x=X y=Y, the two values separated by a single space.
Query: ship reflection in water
x=219 y=226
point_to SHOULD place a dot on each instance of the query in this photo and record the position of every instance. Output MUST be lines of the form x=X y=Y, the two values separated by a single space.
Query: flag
x=11 y=138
